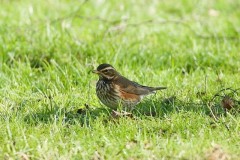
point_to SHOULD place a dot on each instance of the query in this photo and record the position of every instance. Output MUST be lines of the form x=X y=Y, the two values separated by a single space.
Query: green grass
x=48 y=49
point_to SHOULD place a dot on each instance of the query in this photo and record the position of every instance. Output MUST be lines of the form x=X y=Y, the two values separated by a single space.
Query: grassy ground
x=48 y=49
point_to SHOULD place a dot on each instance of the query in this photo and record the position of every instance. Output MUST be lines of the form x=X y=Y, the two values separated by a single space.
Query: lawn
x=48 y=105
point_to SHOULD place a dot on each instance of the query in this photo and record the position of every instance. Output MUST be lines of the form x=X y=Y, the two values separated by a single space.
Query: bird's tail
x=153 y=89
x=159 y=88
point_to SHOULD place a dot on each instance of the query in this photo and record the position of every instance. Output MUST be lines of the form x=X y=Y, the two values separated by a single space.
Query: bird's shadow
x=164 y=106
x=156 y=108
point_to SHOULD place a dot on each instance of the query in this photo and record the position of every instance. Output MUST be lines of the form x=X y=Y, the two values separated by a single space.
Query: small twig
x=213 y=115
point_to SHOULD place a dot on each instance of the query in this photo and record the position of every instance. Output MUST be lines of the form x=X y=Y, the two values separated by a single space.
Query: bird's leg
x=121 y=112
x=116 y=114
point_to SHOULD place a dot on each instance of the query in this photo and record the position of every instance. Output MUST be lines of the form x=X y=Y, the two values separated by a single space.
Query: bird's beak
x=96 y=72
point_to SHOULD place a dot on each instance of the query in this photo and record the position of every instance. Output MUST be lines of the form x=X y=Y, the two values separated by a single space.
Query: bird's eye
x=106 y=71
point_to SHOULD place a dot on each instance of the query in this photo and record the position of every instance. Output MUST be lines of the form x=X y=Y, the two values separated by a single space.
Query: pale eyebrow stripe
x=108 y=68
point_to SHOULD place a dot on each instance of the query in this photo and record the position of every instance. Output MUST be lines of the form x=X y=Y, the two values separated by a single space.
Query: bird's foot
x=116 y=114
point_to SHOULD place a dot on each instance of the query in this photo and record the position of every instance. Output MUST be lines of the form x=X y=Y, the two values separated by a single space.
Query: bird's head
x=106 y=72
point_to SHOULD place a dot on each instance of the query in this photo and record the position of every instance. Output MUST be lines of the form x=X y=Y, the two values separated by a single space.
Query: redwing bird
x=114 y=90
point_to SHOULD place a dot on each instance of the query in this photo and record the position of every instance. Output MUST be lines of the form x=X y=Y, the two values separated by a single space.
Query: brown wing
x=131 y=87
